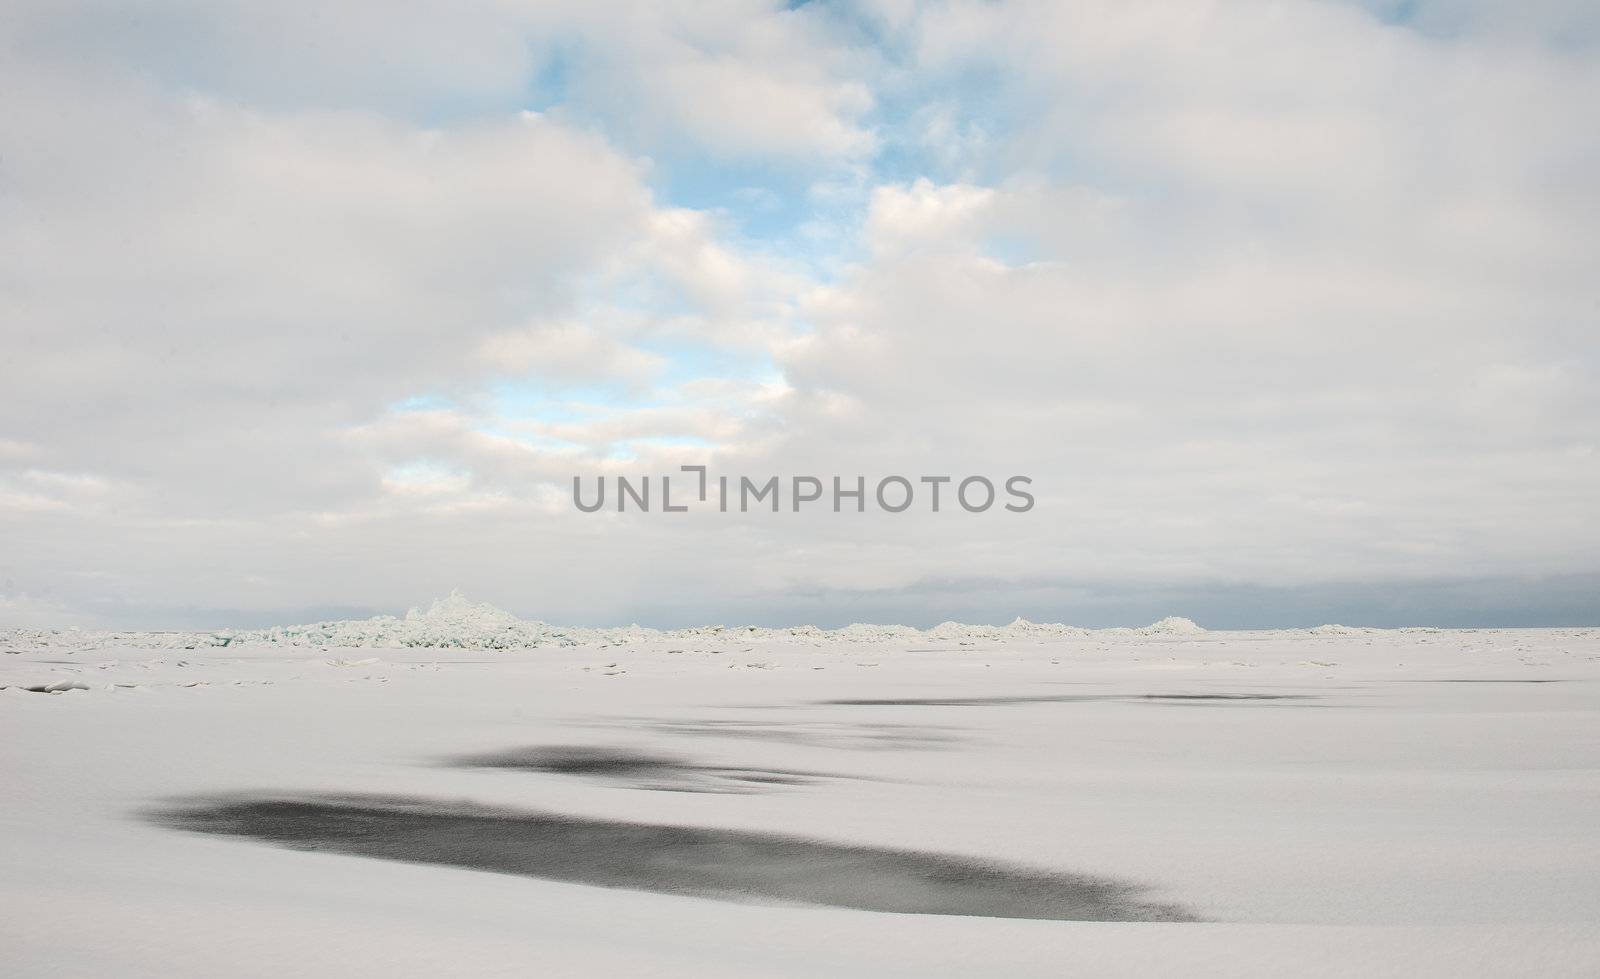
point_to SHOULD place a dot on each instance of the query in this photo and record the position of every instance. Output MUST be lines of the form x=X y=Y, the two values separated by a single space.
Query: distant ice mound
x=1337 y=630
x=456 y=611
x=454 y=622
x=1172 y=625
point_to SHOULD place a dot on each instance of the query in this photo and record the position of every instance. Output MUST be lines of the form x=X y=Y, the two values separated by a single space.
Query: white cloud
x=734 y=78
x=1303 y=299
x=925 y=215
x=568 y=354
x=1258 y=293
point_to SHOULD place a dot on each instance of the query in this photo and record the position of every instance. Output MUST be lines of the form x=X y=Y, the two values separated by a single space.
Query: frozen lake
x=1332 y=802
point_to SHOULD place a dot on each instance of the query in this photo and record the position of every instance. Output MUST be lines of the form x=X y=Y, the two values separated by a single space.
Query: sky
x=1289 y=309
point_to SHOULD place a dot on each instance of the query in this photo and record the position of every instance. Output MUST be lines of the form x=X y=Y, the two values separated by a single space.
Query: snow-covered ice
x=1331 y=801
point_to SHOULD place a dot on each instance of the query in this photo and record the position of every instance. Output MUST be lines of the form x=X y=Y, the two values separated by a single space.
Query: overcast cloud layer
x=1288 y=308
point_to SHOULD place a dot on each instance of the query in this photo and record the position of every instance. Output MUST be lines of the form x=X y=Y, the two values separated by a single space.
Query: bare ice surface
x=1316 y=802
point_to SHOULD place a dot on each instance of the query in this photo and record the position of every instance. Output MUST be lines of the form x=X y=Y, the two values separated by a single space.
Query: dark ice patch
x=703 y=862
x=1074 y=698
x=1487 y=681
x=819 y=734
x=640 y=769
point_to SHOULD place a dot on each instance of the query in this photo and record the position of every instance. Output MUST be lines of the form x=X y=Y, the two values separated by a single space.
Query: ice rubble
x=456 y=622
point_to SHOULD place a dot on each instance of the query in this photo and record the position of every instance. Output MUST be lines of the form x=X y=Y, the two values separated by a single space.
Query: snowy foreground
x=720 y=803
